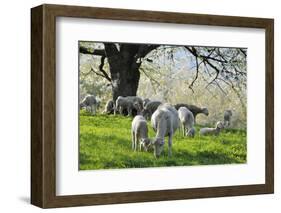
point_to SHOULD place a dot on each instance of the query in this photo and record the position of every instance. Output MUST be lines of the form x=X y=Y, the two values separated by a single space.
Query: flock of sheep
x=165 y=120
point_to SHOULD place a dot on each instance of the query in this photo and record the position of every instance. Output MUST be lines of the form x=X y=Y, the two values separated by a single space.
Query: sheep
x=212 y=131
x=150 y=108
x=109 y=107
x=187 y=121
x=90 y=101
x=122 y=103
x=145 y=102
x=136 y=99
x=191 y=132
x=227 y=118
x=126 y=104
x=194 y=109
x=165 y=121
x=140 y=133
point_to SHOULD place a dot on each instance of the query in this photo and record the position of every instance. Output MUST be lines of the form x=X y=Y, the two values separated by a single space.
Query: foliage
x=105 y=143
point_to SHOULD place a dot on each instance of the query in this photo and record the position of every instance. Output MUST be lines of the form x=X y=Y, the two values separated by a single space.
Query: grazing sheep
x=145 y=102
x=212 y=131
x=109 y=107
x=187 y=121
x=136 y=99
x=227 y=118
x=128 y=105
x=90 y=101
x=165 y=121
x=140 y=133
x=194 y=109
x=122 y=103
x=191 y=132
x=150 y=108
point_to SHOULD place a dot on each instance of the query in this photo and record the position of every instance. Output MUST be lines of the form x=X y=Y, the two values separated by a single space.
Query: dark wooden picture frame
x=43 y=105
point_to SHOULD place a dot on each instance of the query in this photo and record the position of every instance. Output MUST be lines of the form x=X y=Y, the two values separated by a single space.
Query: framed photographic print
x=136 y=106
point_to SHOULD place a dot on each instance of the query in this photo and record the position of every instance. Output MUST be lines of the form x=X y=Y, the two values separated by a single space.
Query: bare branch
x=196 y=75
x=89 y=51
x=102 y=70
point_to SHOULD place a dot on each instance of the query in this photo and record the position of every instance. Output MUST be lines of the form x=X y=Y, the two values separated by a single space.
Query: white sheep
x=137 y=101
x=187 y=121
x=129 y=104
x=109 y=107
x=212 y=131
x=90 y=101
x=140 y=133
x=122 y=103
x=165 y=121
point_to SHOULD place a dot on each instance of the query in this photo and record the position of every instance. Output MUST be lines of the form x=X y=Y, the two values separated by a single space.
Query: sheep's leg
x=119 y=109
x=94 y=110
x=136 y=142
x=115 y=110
x=133 y=140
x=170 y=144
x=129 y=111
x=140 y=145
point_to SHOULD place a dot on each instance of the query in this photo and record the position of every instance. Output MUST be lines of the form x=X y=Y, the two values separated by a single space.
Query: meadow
x=105 y=143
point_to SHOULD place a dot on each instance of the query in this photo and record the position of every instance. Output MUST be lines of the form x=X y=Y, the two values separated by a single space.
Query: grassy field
x=105 y=143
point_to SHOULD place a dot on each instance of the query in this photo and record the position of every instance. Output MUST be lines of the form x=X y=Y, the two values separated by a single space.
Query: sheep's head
x=219 y=125
x=82 y=105
x=137 y=107
x=205 y=111
x=191 y=132
x=158 y=144
x=145 y=143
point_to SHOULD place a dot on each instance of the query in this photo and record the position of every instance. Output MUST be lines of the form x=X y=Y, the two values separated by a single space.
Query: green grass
x=105 y=143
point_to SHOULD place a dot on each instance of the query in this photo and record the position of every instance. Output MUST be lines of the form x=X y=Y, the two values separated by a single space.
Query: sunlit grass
x=105 y=143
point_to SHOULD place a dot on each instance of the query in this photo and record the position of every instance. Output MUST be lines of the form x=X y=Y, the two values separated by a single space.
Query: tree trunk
x=125 y=76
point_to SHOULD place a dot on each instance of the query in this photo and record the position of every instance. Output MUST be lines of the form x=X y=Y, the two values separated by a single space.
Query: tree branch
x=102 y=70
x=89 y=51
x=196 y=75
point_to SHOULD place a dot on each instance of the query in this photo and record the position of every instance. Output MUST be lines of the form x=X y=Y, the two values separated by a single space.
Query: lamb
x=150 y=108
x=109 y=107
x=122 y=103
x=227 y=118
x=187 y=121
x=212 y=131
x=125 y=103
x=90 y=101
x=194 y=109
x=140 y=133
x=136 y=99
x=165 y=121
